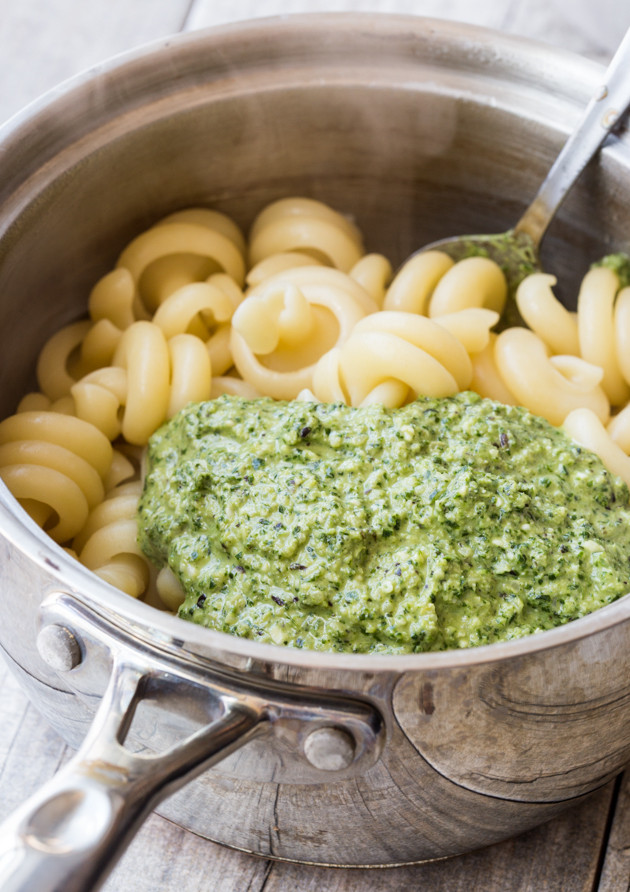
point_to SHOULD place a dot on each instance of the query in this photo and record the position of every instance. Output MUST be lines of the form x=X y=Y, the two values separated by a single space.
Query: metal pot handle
x=67 y=836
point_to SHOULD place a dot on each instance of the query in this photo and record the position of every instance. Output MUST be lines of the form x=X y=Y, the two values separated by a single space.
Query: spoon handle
x=601 y=115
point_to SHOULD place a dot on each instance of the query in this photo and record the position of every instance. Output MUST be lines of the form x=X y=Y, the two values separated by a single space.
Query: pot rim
x=163 y=629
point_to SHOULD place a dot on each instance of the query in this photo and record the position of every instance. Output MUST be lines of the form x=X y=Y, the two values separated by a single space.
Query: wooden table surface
x=45 y=41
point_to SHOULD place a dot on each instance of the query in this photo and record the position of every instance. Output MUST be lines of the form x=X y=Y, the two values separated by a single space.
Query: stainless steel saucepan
x=419 y=129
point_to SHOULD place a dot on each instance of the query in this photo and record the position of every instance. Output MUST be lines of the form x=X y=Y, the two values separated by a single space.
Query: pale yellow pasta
x=182 y=238
x=121 y=501
x=121 y=470
x=143 y=353
x=324 y=282
x=233 y=386
x=52 y=499
x=54 y=464
x=470 y=327
x=473 y=282
x=583 y=374
x=99 y=345
x=220 y=350
x=103 y=396
x=524 y=365
x=228 y=286
x=487 y=380
x=391 y=393
x=53 y=375
x=168 y=273
x=51 y=455
x=79 y=437
x=63 y=406
x=622 y=332
x=169 y=589
x=414 y=284
x=407 y=348
x=395 y=354
x=587 y=430
x=597 y=333
x=112 y=299
x=545 y=315
x=283 y=327
x=327 y=385
x=34 y=402
x=98 y=398
x=108 y=544
x=178 y=311
x=191 y=375
x=211 y=219
x=373 y=272
x=306 y=226
x=279 y=263
x=619 y=429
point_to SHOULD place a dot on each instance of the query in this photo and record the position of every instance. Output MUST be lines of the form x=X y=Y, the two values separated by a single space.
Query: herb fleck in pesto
x=445 y=524
x=619 y=264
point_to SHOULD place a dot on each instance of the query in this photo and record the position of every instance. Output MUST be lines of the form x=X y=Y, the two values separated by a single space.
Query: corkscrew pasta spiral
x=548 y=386
x=391 y=355
x=54 y=465
x=107 y=543
x=308 y=227
x=288 y=322
x=596 y=330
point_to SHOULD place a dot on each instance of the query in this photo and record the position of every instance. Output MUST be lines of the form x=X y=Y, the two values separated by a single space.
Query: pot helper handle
x=66 y=837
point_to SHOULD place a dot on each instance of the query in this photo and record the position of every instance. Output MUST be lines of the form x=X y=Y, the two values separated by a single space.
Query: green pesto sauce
x=445 y=524
x=619 y=264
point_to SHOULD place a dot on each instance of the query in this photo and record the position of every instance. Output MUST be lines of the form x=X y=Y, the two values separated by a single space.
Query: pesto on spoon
x=516 y=251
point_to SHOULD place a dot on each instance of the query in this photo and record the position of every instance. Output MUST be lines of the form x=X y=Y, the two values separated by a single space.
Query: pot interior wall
x=410 y=162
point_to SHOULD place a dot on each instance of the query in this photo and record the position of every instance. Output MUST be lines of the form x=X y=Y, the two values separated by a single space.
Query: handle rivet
x=329 y=749
x=58 y=648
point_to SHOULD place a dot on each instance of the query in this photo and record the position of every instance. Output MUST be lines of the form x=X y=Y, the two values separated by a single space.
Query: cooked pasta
x=548 y=388
x=287 y=323
x=545 y=315
x=414 y=284
x=306 y=226
x=192 y=311
x=107 y=543
x=597 y=333
x=54 y=465
x=392 y=355
x=473 y=282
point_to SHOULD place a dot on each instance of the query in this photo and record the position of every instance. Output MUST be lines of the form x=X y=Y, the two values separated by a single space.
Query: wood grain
x=571 y=24
x=615 y=875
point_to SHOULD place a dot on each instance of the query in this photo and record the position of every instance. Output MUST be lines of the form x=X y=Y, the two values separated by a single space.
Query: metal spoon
x=516 y=250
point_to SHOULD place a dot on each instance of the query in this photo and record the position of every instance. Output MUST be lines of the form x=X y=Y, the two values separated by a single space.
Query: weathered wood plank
x=43 y=42
x=573 y=24
x=615 y=875
x=561 y=856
